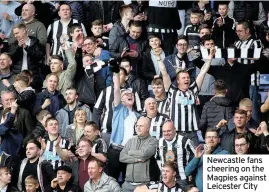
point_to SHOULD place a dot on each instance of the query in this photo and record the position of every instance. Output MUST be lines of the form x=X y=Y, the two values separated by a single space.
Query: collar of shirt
x=28 y=41
x=4 y=189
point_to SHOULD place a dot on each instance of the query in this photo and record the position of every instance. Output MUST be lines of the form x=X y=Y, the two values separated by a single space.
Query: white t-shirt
x=129 y=127
x=24 y=59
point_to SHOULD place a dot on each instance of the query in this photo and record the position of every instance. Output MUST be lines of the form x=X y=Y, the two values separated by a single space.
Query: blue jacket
x=120 y=113
x=197 y=164
x=11 y=138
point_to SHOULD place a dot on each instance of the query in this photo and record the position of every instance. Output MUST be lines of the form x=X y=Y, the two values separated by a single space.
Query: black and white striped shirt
x=99 y=146
x=162 y=187
x=156 y=125
x=50 y=153
x=183 y=108
x=56 y=30
x=249 y=44
x=183 y=149
x=104 y=107
x=163 y=106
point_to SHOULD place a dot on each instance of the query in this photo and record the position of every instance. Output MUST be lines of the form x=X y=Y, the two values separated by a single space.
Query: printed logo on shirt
x=164 y=3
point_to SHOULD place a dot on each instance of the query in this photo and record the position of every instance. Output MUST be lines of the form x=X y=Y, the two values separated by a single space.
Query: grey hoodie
x=106 y=184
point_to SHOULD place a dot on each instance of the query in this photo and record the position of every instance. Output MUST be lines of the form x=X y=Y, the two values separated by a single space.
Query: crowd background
x=114 y=96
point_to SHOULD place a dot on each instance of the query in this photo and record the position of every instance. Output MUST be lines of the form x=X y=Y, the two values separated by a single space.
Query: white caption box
x=235 y=173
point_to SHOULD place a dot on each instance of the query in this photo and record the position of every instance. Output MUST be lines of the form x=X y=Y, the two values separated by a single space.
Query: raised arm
x=166 y=78
x=200 y=78
x=116 y=81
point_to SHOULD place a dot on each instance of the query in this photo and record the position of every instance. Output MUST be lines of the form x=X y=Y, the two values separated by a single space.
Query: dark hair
x=135 y=24
x=182 y=37
x=92 y=38
x=74 y=26
x=224 y=3
x=212 y=130
x=74 y=89
x=206 y=38
x=196 y=11
x=125 y=60
x=220 y=86
x=97 y=22
x=58 y=57
x=64 y=4
x=50 y=119
x=242 y=136
x=123 y=70
x=154 y=35
x=93 y=125
x=245 y=23
x=36 y=142
x=241 y=112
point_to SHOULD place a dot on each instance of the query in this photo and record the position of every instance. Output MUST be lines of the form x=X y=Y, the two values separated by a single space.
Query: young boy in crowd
x=55 y=148
x=224 y=28
x=192 y=31
x=31 y=184
x=97 y=31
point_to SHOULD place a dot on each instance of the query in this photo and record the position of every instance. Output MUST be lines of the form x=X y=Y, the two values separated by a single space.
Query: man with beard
x=168 y=182
x=65 y=116
x=33 y=164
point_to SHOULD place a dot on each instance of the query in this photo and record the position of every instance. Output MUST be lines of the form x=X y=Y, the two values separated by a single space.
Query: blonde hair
x=246 y=102
x=77 y=112
x=31 y=180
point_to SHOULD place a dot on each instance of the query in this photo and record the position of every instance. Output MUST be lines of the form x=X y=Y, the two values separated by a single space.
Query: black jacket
x=140 y=87
x=35 y=54
x=216 y=109
x=228 y=137
x=25 y=99
x=246 y=10
x=263 y=30
x=42 y=96
x=24 y=122
x=69 y=187
x=224 y=35
x=121 y=42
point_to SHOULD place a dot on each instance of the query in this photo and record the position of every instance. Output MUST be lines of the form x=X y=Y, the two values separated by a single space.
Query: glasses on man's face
x=211 y=137
x=240 y=145
x=182 y=44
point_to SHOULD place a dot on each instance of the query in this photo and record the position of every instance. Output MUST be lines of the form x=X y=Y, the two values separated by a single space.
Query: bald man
x=175 y=147
x=138 y=154
x=157 y=119
x=34 y=27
